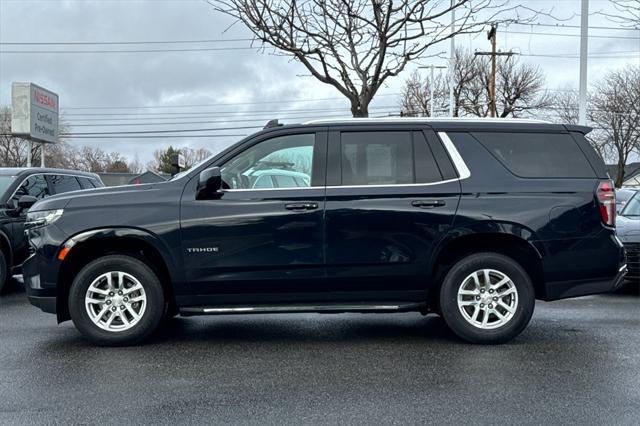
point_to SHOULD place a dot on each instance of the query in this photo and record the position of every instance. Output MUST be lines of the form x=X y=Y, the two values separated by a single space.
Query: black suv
x=20 y=188
x=470 y=219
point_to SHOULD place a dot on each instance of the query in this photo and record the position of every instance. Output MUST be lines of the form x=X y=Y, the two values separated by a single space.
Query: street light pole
x=584 y=53
x=452 y=50
x=431 y=89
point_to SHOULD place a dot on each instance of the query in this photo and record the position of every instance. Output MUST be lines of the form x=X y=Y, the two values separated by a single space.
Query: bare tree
x=616 y=111
x=626 y=13
x=519 y=89
x=416 y=93
x=356 y=45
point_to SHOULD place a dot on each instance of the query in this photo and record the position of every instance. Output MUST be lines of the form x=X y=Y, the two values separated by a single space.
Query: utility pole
x=584 y=53
x=491 y=36
x=452 y=53
x=431 y=84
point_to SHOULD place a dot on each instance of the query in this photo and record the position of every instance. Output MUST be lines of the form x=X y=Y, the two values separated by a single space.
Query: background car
x=628 y=230
x=622 y=197
x=16 y=183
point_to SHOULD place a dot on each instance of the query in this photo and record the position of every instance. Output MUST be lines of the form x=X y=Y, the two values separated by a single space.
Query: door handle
x=428 y=204
x=301 y=206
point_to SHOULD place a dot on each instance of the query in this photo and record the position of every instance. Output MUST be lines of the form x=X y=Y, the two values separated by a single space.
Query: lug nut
x=114 y=309
x=122 y=307
x=126 y=299
x=491 y=291
x=111 y=294
x=108 y=302
x=482 y=305
x=477 y=297
x=490 y=305
x=119 y=293
x=482 y=290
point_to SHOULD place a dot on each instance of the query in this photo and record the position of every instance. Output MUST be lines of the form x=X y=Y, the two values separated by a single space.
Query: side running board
x=316 y=308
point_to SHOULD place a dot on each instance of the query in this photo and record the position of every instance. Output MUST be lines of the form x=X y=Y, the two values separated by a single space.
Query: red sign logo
x=44 y=99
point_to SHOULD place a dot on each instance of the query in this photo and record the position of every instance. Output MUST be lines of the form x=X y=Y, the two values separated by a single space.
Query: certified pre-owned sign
x=34 y=112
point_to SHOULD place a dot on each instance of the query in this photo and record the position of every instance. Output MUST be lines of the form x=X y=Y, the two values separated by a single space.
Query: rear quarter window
x=537 y=155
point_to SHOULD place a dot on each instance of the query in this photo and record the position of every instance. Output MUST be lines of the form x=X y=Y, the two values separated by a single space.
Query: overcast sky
x=231 y=84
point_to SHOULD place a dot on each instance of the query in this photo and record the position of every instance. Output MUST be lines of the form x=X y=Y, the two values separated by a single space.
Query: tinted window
x=85 y=183
x=377 y=158
x=35 y=185
x=63 y=183
x=537 y=154
x=426 y=167
x=289 y=156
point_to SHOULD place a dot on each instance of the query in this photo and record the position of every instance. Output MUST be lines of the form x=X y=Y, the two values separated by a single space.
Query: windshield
x=633 y=206
x=5 y=182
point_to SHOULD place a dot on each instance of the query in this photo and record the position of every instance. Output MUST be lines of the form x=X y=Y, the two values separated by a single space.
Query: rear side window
x=64 y=183
x=387 y=158
x=85 y=183
x=537 y=155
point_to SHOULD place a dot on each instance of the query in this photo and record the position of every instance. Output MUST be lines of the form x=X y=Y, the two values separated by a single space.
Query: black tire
x=452 y=313
x=4 y=275
x=146 y=325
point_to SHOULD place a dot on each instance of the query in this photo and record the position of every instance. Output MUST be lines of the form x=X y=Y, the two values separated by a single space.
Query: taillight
x=606 y=196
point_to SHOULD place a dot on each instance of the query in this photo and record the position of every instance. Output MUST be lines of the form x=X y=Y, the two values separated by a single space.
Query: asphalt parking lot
x=578 y=363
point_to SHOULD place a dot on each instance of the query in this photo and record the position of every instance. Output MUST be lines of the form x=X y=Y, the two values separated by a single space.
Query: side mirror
x=26 y=201
x=209 y=181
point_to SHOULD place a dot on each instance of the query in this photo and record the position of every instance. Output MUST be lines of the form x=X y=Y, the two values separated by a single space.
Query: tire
x=4 y=275
x=465 y=300
x=136 y=294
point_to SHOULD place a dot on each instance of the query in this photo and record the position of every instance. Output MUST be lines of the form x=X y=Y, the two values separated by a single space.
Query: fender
x=126 y=232
x=488 y=228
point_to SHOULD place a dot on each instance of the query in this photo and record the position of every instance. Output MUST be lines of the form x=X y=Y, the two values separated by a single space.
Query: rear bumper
x=566 y=289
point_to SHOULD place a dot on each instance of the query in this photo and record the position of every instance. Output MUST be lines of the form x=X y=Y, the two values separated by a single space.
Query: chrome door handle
x=428 y=204
x=301 y=206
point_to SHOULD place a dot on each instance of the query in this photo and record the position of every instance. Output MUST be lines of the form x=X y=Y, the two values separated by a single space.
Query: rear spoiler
x=577 y=128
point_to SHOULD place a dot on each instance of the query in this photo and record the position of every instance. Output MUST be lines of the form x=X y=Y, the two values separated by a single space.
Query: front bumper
x=44 y=298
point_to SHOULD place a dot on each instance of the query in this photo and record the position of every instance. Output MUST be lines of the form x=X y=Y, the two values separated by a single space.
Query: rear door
x=392 y=194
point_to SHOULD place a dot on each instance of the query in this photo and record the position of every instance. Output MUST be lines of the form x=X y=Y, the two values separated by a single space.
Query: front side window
x=64 y=183
x=280 y=162
x=35 y=185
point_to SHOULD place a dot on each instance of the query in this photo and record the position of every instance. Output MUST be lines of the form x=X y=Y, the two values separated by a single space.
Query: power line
x=195 y=49
x=134 y=132
x=280 y=101
x=118 y=43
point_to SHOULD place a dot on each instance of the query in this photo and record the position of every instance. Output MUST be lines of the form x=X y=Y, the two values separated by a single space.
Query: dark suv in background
x=470 y=219
x=20 y=188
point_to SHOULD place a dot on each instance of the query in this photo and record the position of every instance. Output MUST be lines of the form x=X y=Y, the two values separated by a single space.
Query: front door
x=388 y=205
x=260 y=239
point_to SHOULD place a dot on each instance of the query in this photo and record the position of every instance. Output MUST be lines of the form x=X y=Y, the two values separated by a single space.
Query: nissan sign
x=34 y=112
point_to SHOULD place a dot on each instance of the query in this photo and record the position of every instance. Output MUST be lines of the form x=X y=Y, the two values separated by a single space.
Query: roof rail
x=272 y=123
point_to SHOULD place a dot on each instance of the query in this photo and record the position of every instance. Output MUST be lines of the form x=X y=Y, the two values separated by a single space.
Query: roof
x=15 y=171
x=630 y=170
x=426 y=120
x=459 y=123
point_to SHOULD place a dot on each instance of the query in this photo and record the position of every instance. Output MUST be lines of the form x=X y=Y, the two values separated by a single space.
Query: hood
x=90 y=196
x=628 y=229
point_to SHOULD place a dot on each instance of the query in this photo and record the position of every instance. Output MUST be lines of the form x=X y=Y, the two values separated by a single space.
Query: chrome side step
x=316 y=308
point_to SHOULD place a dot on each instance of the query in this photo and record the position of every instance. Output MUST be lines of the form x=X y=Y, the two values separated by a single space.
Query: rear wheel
x=4 y=275
x=116 y=300
x=487 y=298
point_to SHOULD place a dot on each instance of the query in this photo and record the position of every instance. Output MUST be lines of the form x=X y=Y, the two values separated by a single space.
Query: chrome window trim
x=458 y=162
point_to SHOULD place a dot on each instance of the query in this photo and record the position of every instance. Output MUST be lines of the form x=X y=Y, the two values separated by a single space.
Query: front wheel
x=116 y=300
x=487 y=298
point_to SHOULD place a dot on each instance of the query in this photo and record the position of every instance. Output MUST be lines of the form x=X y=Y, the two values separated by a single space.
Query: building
x=117 y=179
x=631 y=173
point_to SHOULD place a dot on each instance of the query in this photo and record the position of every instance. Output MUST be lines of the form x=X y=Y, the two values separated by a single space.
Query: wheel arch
x=88 y=246
x=511 y=244
x=7 y=249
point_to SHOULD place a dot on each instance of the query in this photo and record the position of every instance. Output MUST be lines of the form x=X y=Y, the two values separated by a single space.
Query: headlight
x=42 y=218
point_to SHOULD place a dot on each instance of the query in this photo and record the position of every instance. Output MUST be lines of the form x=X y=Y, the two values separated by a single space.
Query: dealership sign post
x=34 y=115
